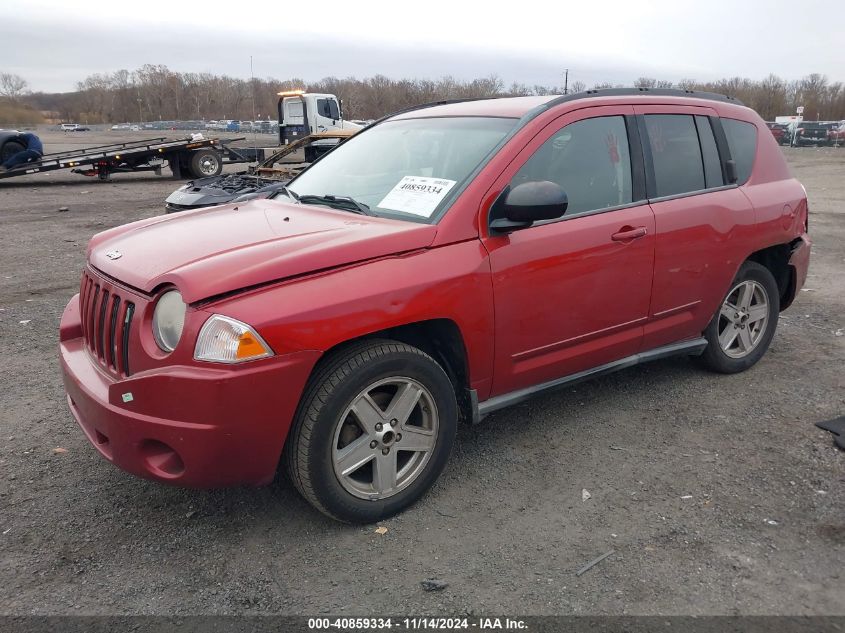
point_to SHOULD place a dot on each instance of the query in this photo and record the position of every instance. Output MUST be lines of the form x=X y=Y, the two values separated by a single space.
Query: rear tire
x=10 y=149
x=346 y=453
x=744 y=325
x=205 y=163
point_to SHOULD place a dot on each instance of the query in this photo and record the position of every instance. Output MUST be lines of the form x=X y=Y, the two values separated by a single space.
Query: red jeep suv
x=450 y=260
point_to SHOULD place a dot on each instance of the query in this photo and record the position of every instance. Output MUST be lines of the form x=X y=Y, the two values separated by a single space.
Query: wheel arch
x=776 y=260
x=440 y=338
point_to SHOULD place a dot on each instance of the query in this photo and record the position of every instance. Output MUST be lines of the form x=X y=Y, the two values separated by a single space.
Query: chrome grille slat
x=127 y=322
x=83 y=311
x=83 y=295
x=92 y=307
x=101 y=325
x=111 y=355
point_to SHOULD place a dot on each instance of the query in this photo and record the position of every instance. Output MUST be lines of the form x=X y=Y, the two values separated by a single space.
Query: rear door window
x=676 y=154
x=742 y=142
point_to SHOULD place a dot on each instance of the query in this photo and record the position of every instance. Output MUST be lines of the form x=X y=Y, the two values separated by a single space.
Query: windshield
x=407 y=169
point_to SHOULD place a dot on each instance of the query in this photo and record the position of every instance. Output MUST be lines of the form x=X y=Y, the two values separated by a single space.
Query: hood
x=226 y=248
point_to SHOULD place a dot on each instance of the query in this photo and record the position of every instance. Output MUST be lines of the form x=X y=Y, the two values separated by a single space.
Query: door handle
x=628 y=233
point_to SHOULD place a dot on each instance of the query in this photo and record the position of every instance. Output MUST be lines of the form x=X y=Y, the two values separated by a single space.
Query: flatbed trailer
x=191 y=157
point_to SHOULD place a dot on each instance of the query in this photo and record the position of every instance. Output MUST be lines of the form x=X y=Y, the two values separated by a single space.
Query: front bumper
x=803 y=141
x=186 y=425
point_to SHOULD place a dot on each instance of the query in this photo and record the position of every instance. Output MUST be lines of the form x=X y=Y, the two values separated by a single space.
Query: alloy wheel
x=385 y=438
x=743 y=319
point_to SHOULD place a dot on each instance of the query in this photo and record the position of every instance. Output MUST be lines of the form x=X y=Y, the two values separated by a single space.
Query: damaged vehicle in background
x=208 y=192
x=259 y=181
x=309 y=125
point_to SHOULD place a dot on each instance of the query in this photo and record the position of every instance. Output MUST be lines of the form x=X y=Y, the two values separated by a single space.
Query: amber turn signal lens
x=249 y=347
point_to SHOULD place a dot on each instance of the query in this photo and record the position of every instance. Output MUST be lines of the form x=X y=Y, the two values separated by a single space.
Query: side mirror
x=529 y=202
x=730 y=171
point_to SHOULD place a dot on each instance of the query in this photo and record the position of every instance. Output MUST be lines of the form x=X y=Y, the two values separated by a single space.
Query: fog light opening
x=161 y=460
x=101 y=439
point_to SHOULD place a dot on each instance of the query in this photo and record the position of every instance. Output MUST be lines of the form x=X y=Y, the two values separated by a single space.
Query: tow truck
x=310 y=125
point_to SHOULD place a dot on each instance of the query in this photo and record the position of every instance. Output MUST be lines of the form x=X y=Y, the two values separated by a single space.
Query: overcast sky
x=53 y=44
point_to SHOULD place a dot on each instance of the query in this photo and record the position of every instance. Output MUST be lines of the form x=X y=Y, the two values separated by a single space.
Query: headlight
x=225 y=340
x=168 y=320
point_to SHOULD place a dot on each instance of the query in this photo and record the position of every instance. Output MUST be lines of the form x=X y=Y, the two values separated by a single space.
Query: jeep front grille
x=106 y=322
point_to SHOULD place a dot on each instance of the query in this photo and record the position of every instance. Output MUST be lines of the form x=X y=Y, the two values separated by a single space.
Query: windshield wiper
x=339 y=202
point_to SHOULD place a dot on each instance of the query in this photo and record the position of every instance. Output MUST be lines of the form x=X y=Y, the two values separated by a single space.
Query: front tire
x=743 y=327
x=373 y=431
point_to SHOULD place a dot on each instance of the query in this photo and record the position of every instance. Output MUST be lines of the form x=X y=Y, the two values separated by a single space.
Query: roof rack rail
x=595 y=92
x=657 y=92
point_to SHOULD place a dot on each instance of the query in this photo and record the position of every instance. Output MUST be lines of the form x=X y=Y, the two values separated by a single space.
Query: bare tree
x=155 y=91
x=12 y=86
x=645 y=82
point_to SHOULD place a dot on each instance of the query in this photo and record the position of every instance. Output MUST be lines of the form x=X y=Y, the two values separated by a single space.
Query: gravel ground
x=716 y=493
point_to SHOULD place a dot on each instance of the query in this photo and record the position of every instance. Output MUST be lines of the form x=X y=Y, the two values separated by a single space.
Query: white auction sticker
x=417 y=194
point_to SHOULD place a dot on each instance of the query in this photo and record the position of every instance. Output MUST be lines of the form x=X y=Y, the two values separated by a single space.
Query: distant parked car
x=265 y=127
x=74 y=127
x=229 y=125
x=121 y=126
x=837 y=134
x=779 y=131
x=831 y=127
x=810 y=133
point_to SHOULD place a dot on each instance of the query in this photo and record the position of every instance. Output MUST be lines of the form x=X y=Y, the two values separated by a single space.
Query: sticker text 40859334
x=419 y=195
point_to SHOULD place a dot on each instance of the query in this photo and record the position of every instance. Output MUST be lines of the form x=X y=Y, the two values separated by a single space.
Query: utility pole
x=565 y=81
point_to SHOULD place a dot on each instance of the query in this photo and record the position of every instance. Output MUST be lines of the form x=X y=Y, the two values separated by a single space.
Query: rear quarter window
x=709 y=153
x=742 y=142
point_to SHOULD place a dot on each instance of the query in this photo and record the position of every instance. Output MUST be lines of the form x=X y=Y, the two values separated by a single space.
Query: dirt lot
x=717 y=494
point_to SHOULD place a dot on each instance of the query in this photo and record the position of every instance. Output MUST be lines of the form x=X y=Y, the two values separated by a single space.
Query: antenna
x=252 y=123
